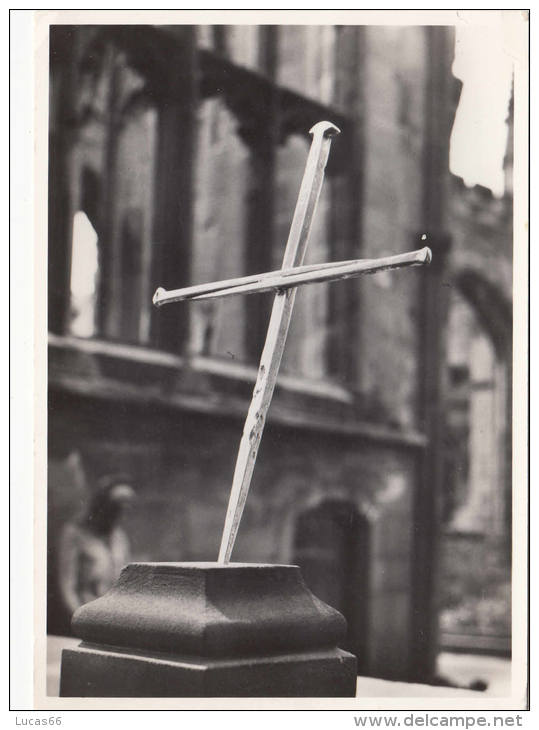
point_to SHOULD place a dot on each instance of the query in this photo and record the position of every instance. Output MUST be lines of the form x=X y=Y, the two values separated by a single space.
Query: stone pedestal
x=208 y=630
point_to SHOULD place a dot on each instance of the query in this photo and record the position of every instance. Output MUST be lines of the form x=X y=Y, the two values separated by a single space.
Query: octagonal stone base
x=208 y=630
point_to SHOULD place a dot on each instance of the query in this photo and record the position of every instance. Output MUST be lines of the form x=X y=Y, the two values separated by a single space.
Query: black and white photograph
x=285 y=450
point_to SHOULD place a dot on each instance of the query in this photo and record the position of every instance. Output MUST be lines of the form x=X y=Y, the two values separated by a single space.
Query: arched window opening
x=84 y=277
x=476 y=579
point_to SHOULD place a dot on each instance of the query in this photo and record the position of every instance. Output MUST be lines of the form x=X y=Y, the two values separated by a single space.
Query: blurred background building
x=176 y=155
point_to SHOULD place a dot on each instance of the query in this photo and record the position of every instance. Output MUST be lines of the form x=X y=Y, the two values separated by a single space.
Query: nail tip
x=156 y=299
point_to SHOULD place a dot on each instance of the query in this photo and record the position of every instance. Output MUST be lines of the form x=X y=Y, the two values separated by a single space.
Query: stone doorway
x=331 y=546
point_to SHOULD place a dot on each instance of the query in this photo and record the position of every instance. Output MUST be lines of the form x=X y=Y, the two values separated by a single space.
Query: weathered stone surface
x=208 y=630
x=99 y=672
x=206 y=609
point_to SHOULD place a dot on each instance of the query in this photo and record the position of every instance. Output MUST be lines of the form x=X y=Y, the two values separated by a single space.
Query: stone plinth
x=208 y=630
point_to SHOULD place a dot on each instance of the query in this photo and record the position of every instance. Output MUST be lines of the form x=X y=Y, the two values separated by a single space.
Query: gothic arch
x=494 y=310
x=477 y=490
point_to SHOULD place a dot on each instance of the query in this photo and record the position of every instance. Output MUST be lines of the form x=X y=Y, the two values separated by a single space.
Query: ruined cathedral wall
x=345 y=426
x=182 y=464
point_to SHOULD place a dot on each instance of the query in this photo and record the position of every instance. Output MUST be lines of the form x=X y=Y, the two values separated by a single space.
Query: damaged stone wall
x=345 y=427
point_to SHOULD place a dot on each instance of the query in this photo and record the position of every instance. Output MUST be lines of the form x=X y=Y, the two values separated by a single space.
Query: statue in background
x=94 y=547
